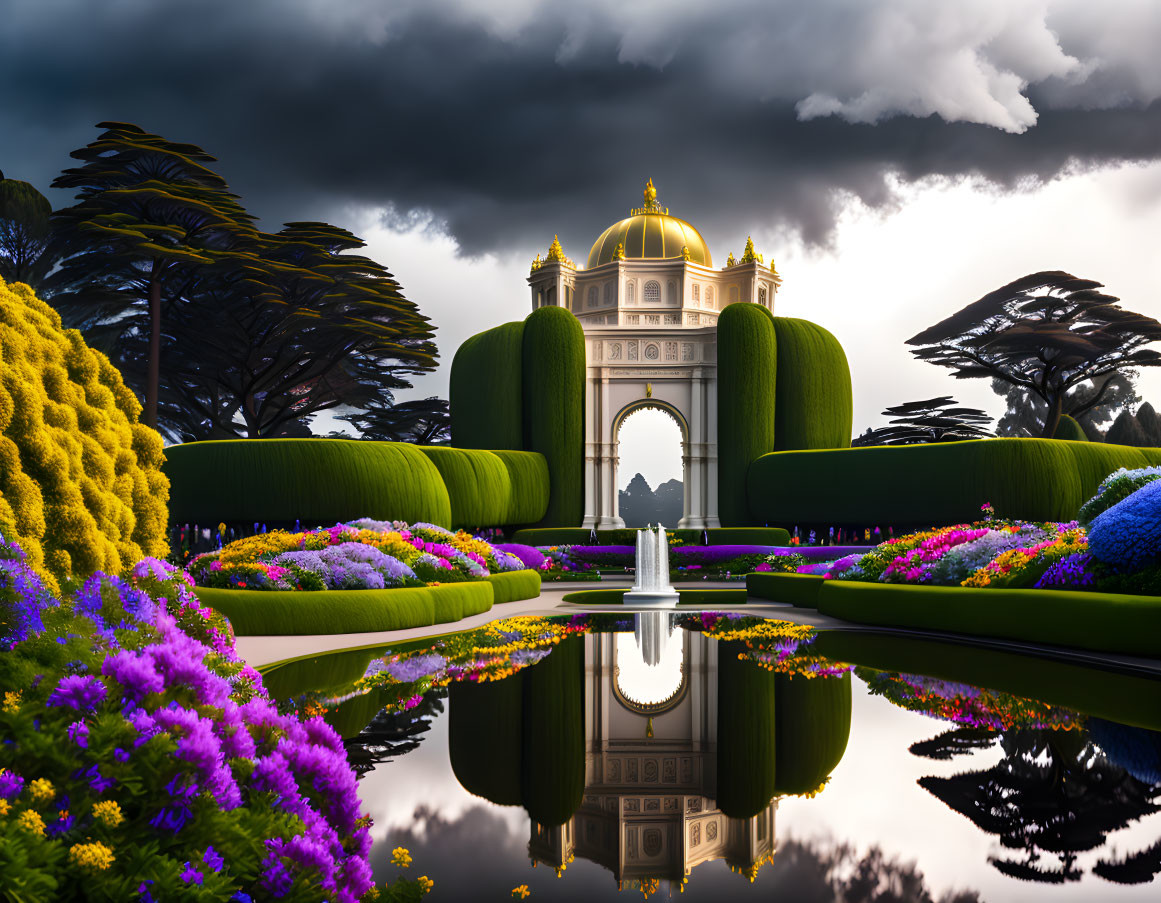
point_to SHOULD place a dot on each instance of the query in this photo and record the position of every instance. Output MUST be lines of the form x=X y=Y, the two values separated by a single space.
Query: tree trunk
x=1052 y=418
x=153 y=376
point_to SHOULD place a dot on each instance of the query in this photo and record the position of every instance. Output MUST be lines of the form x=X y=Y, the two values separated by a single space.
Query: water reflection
x=645 y=749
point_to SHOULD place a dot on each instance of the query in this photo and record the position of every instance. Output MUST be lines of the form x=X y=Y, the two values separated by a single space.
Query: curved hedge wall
x=553 y=771
x=747 y=376
x=942 y=483
x=554 y=407
x=485 y=725
x=81 y=487
x=531 y=488
x=1096 y=460
x=814 y=725
x=320 y=481
x=747 y=728
x=814 y=407
x=479 y=485
x=486 y=395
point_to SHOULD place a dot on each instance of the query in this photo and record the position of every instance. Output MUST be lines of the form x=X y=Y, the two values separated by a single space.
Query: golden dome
x=650 y=232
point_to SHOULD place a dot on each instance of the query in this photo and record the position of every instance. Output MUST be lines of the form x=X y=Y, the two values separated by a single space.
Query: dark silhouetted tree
x=637 y=503
x=931 y=420
x=149 y=213
x=25 y=232
x=1094 y=407
x=1142 y=429
x=423 y=421
x=1046 y=332
x=670 y=497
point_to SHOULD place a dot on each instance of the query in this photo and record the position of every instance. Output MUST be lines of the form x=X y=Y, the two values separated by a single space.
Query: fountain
x=651 y=582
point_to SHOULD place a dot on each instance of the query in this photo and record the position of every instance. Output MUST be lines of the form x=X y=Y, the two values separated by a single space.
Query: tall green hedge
x=747 y=375
x=746 y=734
x=553 y=770
x=531 y=488
x=554 y=407
x=814 y=725
x=814 y=407
x=1068 y=428
x=1096 y=460
x=486 y=395
x=485 y=725
x=317 y=481
x=942 y=483
x=479 y=485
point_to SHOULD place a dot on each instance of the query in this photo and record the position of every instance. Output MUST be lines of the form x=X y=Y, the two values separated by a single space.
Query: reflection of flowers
x=780 y=646
x=965 y=704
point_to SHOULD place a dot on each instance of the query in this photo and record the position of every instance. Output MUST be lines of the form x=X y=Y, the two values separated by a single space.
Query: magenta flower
x=78 y=692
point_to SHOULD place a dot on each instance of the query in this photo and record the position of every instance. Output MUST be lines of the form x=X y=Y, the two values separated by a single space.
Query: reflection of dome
x=650 y=231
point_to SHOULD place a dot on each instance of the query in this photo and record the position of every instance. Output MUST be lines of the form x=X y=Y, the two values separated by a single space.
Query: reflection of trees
x=1053 y=793
x=959 y=741
x=392 y=734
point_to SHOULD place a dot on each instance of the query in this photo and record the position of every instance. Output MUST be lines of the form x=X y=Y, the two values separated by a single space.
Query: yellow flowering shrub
x=81 y=487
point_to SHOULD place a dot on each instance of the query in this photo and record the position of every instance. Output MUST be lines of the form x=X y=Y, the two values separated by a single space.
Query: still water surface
x=726 y=758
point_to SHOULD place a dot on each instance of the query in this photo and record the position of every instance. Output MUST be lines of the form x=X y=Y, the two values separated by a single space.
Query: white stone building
x=649 y=299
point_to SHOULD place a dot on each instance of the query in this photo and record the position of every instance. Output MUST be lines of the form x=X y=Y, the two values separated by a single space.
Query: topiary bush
x=1128 y=534
x=81 y=487
x=486 y=390
x=814 y=407
x=747 y=375
x=1116 y=487
x=554 y=407
x=1069 y=429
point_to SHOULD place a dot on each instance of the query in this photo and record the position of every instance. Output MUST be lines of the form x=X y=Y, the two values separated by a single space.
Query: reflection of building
x=649 y=808
x=649 y=300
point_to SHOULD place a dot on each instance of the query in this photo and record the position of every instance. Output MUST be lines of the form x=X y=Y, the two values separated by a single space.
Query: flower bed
x=143 y=760
x=685 y=562
x=362 y=554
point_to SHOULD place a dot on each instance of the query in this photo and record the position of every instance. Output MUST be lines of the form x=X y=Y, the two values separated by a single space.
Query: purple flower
x=211 y=858
x=412 y=669
x=97 y=781
x=135 y=673
x=171 y=818
x=120 y=755
x=78 y=732
x=78 y=692
x=10 y=784
x=190 y=875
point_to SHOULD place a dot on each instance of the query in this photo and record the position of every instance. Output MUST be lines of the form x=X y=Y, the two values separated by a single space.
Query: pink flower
x=215 y=565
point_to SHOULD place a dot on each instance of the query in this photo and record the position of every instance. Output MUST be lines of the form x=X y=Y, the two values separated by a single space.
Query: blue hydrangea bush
x=1127 y=536
x=142 y=760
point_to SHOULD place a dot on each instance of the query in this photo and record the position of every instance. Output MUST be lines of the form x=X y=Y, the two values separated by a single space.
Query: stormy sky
x=967 y=142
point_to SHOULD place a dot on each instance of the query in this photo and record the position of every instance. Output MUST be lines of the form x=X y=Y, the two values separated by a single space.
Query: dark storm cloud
x=505 y=132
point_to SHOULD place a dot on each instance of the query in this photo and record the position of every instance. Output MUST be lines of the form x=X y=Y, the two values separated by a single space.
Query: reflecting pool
x=726 y=757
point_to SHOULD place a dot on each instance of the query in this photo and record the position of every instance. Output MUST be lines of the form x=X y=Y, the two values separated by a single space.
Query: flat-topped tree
x=305 y=327
x=25 y=231
x=1046 y=332
x=931 y=420
x=149 y=213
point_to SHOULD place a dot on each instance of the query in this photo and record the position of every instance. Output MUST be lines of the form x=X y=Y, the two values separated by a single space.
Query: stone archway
x=684 y=391
x=657 y=430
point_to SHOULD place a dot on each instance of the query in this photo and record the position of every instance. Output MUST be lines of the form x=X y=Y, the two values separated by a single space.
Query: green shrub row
x=514 y=586
x=554 y=407
x=1100 y=622
x=486 y=396
x=324 y=481
x=718 y=536
x=814 y=407
x=278 y=613
x=1123 y=698
x=941 y=483
x=794 y=589
x=747 y=378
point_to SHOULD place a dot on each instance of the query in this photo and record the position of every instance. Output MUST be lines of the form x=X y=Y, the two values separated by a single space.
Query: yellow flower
x=31 y=821
x=108 y=813
x=12 y=702
x=94 y=856
x=400 y=857
x=41 y=790
x=521 y=891
x=5 y=807
x=426 y=884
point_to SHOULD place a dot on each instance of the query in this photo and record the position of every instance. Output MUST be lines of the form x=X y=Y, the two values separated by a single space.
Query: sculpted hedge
x=81 y=487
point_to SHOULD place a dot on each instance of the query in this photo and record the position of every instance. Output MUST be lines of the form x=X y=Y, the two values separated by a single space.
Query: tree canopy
x=1046 y=332
x=1092 y=405
x=25 y=231
x=227 y=331
x=931 y=420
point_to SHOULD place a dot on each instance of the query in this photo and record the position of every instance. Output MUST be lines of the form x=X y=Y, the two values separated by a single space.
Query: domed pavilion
x=648 y=300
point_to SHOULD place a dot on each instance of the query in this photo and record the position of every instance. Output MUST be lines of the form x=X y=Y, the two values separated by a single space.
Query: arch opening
x=651 y=437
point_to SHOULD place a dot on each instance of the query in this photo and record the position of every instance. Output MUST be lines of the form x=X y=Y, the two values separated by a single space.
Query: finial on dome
x=650 y=194
x=685 y=252
x=619 y=251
